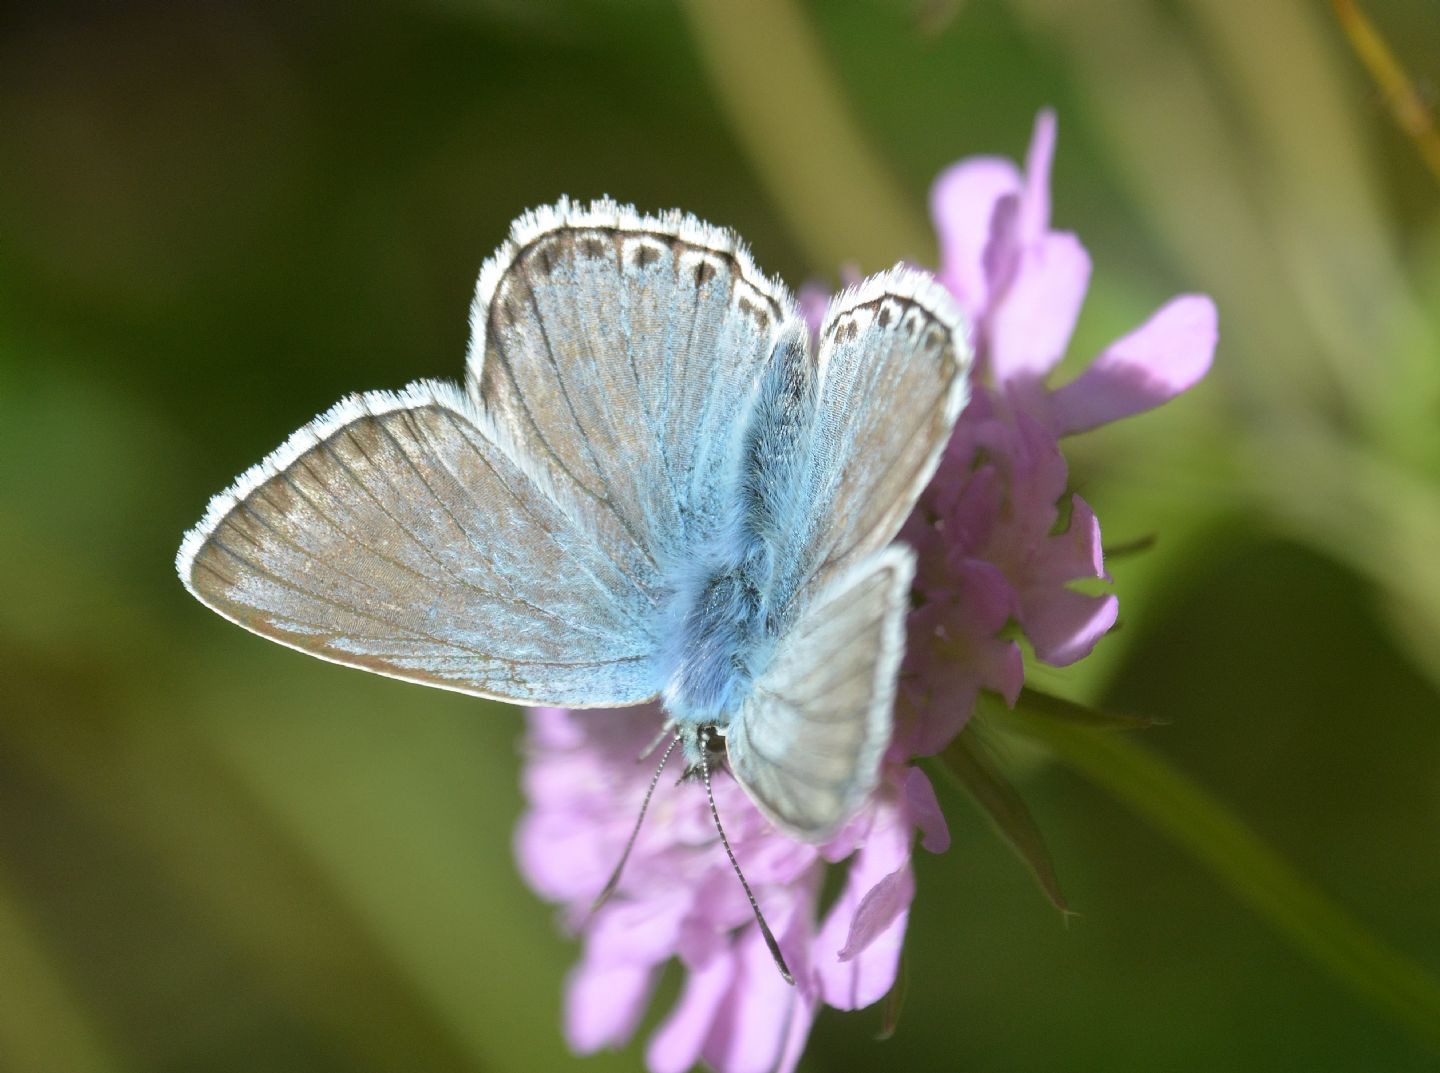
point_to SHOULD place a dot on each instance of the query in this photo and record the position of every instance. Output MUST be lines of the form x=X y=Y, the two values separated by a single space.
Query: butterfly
x=653 y=484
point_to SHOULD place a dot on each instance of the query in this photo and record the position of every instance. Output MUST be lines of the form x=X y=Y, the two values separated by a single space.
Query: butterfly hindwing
x=394 y=534
x=807 y=744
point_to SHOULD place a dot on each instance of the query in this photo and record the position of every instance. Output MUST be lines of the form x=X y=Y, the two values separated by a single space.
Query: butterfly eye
x=713 y=740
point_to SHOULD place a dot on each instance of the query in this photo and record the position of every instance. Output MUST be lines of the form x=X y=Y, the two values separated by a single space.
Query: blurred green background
x=215 y=219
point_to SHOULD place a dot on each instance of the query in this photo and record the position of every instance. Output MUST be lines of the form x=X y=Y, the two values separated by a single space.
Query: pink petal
x=953 y=653
x=604 y=1003
x=560 y=858
x=561 y=780
x=802 y=1016
x=983 y=604
x=1031 y=325
x=986 y=597
x=813 y=299
x=851 y=837
x=868 y=977
x=924 y=809
x=646 y=932
x=702 y=939
x=1001 y=256
x=938 y=715
x=870 y=914
x=553 y=728
x=971 y=516
x=1038 y=478
x=1065 y=625
x=750 y=1029
x=1168 y=354
x=882 y=905
x=1035 y=201
x=675 y=1047
x=1002 y=669
x=962 y=202
x=1075 y=553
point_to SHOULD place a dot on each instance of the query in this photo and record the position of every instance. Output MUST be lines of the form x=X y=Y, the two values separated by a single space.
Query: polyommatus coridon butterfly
x=653 y=484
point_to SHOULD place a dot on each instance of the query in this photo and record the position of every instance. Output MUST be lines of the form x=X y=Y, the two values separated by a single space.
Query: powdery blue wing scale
x=395 y=534
x=619 y=352
x=588 y=559
x=892 y=360
x=777 y=445
x=808 y=743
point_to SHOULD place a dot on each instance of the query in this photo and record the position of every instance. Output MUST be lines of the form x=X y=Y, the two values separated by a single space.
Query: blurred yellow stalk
x=1405 y=103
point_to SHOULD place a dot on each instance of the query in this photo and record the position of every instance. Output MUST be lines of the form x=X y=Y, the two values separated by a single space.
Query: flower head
x=999 y=542
x=678 y=897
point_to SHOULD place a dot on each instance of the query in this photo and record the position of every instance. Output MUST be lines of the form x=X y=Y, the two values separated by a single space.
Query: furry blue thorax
x=731 y=601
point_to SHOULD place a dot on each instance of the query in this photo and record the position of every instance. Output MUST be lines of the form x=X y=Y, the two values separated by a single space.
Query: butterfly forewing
x=620 y=352
x=892 y=359
x=393 y=534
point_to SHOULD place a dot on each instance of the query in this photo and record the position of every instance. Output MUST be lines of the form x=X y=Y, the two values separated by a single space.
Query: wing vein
x=542 y=527
x=606 y=501
x=322 y=598
x=406 y=415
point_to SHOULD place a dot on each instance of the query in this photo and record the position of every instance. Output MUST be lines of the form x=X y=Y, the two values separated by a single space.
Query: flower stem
x=1240 y=859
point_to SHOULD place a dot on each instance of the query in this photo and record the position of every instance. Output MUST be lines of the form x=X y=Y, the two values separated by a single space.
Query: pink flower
x=991 y=552
x=985 y=529
x=1022 y=285
x=678 y=897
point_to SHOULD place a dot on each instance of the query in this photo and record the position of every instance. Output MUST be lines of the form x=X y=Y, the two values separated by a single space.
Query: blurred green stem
x=1186 y=813
x=42 y=1025
x=786 y=107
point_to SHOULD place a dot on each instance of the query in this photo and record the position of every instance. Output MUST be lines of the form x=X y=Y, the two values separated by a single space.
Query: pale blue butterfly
x=652 y=485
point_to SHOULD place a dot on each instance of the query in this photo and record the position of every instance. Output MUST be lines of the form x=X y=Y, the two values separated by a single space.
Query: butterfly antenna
x=754 y=905
x=604 y=895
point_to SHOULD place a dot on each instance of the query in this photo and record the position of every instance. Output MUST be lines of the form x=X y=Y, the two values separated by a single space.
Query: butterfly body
x=653 y=485
x=723 y=644
x=730 y=601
